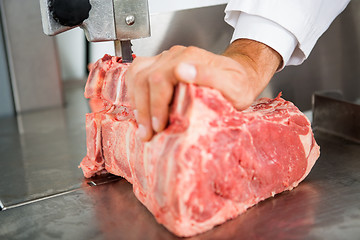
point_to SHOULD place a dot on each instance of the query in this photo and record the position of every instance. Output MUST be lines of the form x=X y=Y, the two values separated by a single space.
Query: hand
x=240 y=74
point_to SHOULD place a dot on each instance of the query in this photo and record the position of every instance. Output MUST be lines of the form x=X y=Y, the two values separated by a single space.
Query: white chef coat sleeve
x=289 y=27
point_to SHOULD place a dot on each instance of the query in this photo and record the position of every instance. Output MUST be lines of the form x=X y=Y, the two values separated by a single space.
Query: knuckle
x=236 y=92
x=236 y=96
x=176 y=48
x=136 y=63
x=241 y=100
x=162 y=55
x=164 y=52
x=239 y=105
x=139 y=80
x=136 y=60
x=156 y=78
x=236 y=103
x=192 y=50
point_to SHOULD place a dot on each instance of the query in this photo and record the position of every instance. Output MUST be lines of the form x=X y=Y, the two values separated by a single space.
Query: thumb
x=186 y=72
x=200 y=75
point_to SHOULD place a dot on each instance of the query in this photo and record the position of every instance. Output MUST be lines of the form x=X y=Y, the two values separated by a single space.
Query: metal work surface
x=325 y=206
x=45 y=196
x=40 y=151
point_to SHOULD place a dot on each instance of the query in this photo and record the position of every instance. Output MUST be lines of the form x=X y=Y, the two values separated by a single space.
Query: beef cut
x=210 y=164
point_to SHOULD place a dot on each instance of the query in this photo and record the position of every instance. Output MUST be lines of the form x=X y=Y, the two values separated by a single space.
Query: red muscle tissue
x=210 y=164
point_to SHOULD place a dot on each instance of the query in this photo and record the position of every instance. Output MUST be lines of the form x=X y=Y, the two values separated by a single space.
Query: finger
x=142 y=113
x=161 y=81
x=161 y=91
x=133 y=75
x=230 y=82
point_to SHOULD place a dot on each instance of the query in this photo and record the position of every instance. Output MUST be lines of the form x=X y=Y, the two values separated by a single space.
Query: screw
x=130 y=20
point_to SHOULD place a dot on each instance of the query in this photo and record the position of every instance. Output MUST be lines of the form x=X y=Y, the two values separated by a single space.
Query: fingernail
x=141 y=131
x=136 y=115
x=187 y=72
x=155 y=124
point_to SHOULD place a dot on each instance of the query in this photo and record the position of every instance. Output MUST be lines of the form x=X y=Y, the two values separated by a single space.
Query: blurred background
x=34 y=67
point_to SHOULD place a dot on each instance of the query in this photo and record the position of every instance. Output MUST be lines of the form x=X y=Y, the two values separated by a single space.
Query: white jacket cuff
x=268 y=32
x=307 y=20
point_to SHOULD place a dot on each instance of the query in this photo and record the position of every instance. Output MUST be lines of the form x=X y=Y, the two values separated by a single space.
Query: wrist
x=265 y=60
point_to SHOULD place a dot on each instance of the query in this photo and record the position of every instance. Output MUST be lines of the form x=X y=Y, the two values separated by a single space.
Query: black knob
x=69 y=12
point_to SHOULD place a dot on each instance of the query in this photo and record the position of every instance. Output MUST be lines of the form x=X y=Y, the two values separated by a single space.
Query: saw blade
x=123 y=48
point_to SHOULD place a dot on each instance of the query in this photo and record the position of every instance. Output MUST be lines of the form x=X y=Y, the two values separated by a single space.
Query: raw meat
x=210 y=164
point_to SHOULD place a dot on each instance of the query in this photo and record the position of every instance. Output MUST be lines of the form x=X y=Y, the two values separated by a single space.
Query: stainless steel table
x=44 y=195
